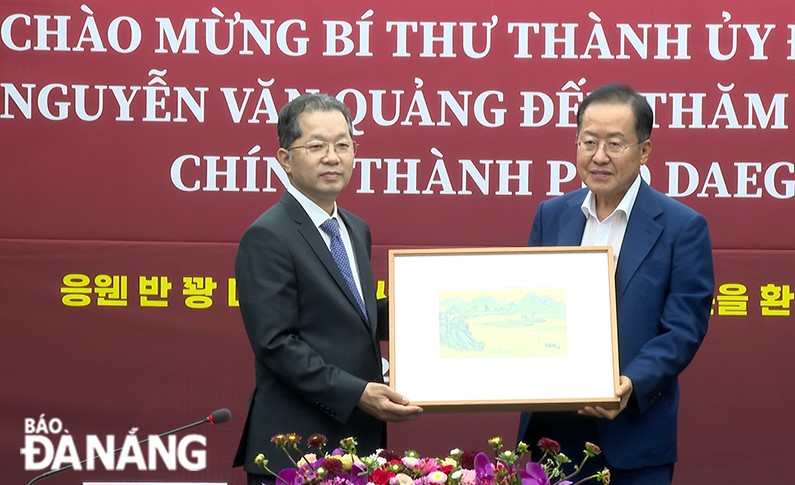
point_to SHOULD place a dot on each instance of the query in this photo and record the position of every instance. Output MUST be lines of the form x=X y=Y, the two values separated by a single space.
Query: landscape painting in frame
x=505 y=323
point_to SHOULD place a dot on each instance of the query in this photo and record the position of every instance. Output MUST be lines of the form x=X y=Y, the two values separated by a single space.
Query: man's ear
x=645 y=152
x=283 y=156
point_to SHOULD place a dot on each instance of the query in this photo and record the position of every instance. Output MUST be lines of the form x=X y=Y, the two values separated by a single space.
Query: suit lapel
x=573 y=224
x=642 y=233
x=312 y=237
x=360 y=246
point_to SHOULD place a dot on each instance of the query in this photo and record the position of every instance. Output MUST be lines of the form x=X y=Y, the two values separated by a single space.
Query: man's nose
x=331 y=154
x=601 y=153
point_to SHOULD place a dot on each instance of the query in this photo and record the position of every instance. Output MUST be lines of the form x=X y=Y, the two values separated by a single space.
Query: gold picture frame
x=503 y=328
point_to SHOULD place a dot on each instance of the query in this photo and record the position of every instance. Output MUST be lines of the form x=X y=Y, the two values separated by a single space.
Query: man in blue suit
x=311 y=320
x=664 y=285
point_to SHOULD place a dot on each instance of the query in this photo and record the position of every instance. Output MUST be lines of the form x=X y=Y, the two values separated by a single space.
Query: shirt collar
x=588 y=205
x=314 y=211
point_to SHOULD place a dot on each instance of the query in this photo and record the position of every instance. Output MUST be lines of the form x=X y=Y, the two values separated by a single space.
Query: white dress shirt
x=319 y=216
x=610 y=231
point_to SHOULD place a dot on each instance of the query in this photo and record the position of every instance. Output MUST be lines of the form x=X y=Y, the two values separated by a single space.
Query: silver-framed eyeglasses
x=320 y=148
x=613 y=149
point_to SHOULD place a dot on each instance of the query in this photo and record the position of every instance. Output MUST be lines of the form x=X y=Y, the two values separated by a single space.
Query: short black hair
x=621 y=94
x=288 y=128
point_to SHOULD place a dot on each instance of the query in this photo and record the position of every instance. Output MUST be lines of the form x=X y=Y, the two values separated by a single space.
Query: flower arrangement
x=343 y=466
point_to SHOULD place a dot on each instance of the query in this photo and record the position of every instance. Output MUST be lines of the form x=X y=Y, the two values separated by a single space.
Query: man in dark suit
x=664 y=285
x=310 y=319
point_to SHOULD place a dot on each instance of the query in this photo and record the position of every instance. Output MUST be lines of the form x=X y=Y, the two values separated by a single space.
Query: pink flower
x=468 y=477
x=428 y=465
x=306 y=459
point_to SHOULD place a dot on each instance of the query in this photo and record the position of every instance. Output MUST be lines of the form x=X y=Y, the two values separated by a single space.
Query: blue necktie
x=340 y=255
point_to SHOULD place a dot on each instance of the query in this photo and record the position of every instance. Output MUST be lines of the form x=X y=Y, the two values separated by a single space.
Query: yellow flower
x=496 y=443
x=347 y=461
x=449 y=461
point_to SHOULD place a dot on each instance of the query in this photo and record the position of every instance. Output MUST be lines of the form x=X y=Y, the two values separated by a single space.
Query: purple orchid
x=484 y=470
x=358 y=474
x=290 y=476
x=533 y=474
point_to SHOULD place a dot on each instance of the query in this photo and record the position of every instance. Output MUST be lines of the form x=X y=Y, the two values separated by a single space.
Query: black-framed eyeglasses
x=613 y=149
x=319 y=149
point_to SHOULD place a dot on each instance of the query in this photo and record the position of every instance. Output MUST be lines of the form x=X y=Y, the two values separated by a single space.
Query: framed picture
x=503 y=328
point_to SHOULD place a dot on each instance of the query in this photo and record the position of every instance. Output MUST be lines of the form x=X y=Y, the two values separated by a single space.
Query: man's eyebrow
x=615 y=134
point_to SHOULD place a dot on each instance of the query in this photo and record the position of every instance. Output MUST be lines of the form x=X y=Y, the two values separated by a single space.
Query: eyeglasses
x=613 y=149
x=319 y=149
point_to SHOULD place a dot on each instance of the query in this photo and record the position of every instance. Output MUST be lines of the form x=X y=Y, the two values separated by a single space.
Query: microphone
x=218 y=416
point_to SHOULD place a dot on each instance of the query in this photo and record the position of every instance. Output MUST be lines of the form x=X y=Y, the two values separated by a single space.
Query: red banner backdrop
x=138 y=143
